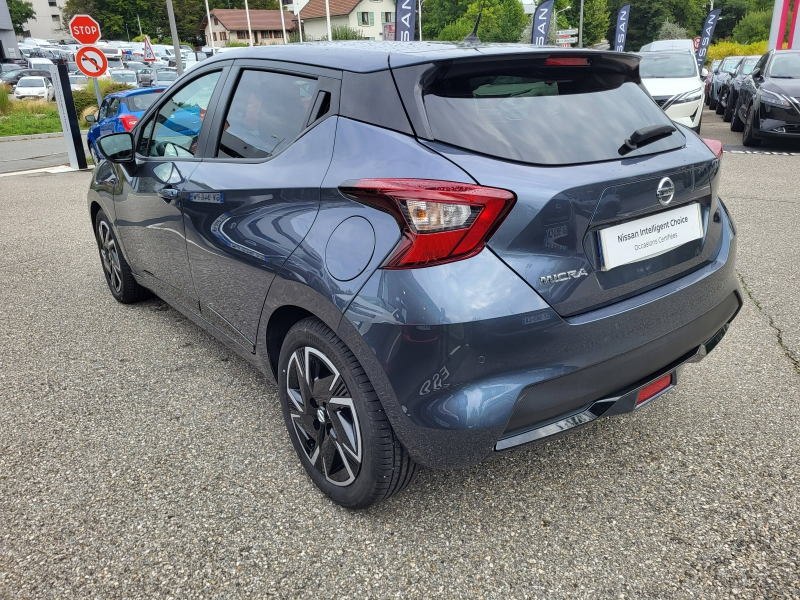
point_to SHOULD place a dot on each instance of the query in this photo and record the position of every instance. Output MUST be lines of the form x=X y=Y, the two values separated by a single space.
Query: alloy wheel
x=323 y=416
x=109 y=256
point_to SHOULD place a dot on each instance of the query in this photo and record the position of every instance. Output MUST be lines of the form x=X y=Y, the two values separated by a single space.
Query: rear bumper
x=466 y=356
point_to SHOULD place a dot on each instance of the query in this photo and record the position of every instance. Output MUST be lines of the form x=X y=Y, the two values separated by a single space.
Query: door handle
x=168 y=193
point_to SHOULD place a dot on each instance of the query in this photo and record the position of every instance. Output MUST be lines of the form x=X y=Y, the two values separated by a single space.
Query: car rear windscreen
x=141 y=101
x=667 y=65
x=539 y=113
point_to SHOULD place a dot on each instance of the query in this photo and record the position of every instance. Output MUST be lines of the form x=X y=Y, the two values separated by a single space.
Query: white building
x=229 y=24
x=366 y=16
x=47 y=23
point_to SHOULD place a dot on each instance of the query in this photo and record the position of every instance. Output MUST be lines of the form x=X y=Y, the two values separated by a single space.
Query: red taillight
x=715 y=146
x=653 y=389
x=441 y=221
x=566 y=61
x=128 y=121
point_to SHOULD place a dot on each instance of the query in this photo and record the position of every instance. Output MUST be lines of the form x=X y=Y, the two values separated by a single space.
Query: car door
x=148 y=211
x=750 y=87
x=252 y=200
x=108 y=123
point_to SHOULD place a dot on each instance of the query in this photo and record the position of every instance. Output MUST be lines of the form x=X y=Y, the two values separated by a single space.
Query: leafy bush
x=671 y=31
x=455 y=32
x=342 y=32
x=235 y=44
x=722 y=49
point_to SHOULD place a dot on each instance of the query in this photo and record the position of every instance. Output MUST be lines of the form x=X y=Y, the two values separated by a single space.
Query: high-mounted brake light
x=566 y=61
x=714 y=145
x=441 y=221
x=128 y=121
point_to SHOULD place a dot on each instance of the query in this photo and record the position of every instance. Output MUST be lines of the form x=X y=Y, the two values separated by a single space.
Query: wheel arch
x=280 y=322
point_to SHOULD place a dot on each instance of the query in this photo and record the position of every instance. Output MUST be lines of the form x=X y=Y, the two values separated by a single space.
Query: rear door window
x=267 y=112
x=532 y=112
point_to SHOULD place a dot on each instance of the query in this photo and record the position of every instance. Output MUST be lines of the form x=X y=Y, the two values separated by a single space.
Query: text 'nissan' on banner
x=405 y=20
x=541 y=23
x=622 y=28
x=705 y=36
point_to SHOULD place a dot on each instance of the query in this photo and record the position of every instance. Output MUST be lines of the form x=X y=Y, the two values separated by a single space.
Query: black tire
x=119 y=277
x=736 y=123
x=719 y=108
x=728 y=115
x=747 y=134
x=370 y=464
x=712 y=104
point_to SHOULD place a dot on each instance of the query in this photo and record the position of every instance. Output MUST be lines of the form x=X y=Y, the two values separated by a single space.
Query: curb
x=33 y=136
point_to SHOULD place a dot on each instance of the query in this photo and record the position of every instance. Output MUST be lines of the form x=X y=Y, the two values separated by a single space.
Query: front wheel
x=747 y=136
x=737 y=124
x=720 y=108
x=712 y=104
x=336 y=422
x=120 y=280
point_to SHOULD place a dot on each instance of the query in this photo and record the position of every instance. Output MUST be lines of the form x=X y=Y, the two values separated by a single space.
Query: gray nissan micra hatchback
x=437 y=251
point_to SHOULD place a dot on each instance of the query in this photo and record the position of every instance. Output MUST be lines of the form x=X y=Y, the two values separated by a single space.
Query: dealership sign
x=622 y=28
x=541 y=23
x=705 y=38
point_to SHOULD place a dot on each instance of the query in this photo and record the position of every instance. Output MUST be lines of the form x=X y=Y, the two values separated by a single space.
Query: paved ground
x=139 y=458
x=22 y=155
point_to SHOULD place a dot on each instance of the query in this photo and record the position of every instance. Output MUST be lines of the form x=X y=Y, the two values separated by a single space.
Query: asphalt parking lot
x=140 y=458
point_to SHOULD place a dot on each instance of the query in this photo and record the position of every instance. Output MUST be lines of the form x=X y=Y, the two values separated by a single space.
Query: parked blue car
x=119 y=112
x=437 y=252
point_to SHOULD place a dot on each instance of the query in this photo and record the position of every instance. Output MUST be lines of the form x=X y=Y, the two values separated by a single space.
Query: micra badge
x=565 y=276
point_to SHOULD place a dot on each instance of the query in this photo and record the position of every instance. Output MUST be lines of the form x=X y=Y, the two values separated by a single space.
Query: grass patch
x=30 y=117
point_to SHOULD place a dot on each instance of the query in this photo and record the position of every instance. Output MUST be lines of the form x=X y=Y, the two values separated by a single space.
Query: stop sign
x=84 y=29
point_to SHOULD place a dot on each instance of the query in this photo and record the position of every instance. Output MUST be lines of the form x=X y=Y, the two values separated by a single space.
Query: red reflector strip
x=653 y=389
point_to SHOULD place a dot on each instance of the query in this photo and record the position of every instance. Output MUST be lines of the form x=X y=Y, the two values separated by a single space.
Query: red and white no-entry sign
x=84 y=29
x=91 y=61
x=697 y=43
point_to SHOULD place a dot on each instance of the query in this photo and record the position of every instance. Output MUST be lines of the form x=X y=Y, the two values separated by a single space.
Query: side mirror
x=90 y=118
x=755 y=72
x=117 y=147
x=704 y=73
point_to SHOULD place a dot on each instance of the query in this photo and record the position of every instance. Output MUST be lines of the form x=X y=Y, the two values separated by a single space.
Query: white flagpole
x=328 y=16
x=249 y=31
x=210 y=28
x=419 y=3
x=283 y=22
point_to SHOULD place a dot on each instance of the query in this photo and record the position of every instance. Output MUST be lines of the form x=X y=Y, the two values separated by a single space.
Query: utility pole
x=580 y=29
x=419 y=20
x=283 y=23
x=176 y=43
x=328 y=16
x=140 y=25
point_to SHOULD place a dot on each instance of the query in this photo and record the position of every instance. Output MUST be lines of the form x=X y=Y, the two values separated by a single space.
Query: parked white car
x=38 y=88
x=668 y=45
x=78 y=82
x=674 y=82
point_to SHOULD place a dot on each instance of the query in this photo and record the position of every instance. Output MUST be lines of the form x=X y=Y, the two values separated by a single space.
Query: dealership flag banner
x=705 y=39
x=541 y=23
x=405 y=17
x=622 y=28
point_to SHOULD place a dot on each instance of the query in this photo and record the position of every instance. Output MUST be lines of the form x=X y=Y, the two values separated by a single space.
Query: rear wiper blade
x=645 y=135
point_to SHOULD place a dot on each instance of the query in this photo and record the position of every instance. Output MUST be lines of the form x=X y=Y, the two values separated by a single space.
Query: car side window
x=176 y=126
x=267 y=112
x=103 y=110
x=113 y=107
x=761 y=64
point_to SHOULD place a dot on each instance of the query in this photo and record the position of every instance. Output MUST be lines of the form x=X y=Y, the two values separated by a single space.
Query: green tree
x=596 y=19
x=753 y=27
x=438 y=14
x=21 y=12
x=670 y=30
x=501 y=21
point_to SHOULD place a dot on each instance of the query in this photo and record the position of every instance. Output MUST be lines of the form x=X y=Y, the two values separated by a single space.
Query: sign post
x=66 y=111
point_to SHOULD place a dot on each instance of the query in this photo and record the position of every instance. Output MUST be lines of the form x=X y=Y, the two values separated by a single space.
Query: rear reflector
x=653 y=389
x=128 y=121
x=715 y=146
x=441 y=221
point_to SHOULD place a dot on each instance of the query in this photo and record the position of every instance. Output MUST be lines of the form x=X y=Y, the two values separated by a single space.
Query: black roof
x=369 y=56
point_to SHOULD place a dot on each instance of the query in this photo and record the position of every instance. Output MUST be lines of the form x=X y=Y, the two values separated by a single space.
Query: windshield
x=167 y=75
x=786 y=66
x=729 y=64
x=674 y=65
x=535 y=113
x=124 y=77
x=749 y=64
x=77 y=79
x=141 y=101
x=111 y=51
x=31 y=82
